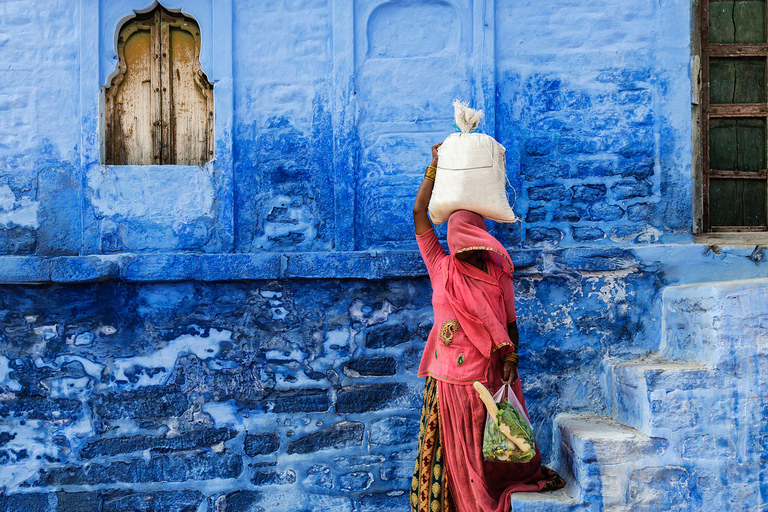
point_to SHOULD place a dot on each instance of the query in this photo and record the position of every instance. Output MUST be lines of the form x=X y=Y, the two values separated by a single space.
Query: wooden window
x=734 y=115
x=159 y=107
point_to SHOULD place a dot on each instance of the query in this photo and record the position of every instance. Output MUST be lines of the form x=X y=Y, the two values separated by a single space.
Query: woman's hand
x=509 y=374
x=434 y=153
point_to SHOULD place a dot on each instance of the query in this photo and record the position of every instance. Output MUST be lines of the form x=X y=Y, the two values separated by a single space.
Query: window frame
x=705 y=50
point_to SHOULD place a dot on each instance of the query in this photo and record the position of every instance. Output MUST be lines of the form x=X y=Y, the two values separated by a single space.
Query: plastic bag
x=508 y=435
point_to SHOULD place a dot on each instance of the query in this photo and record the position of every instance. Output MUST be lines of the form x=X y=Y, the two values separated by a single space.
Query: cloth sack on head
x=471 y=173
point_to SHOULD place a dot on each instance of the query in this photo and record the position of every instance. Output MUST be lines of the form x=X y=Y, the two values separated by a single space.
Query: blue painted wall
x=252 y=327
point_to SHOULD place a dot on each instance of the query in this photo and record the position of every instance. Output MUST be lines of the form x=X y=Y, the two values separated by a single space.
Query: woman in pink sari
x=474 y=338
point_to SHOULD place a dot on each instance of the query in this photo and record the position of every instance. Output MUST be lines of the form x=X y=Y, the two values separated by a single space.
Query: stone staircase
x=689 y=424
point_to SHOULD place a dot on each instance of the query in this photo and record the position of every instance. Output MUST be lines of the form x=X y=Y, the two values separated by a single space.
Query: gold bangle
x=511 y=356
x=430 y=174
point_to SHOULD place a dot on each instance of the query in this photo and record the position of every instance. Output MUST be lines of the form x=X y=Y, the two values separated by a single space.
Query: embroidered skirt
x=429 y=488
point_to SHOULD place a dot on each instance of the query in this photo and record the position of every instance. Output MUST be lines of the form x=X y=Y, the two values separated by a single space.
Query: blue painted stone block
x=380 y=502
x=536 y=214
x=347 y=433
x=546 y=192
x=640 y=212
x=186 y=441
x=394 y=430
x=587 y=193
x=587 y=233
x=159 y=468
x=273 y=478
x=631 y=189
x=605 y=212
x=32 y=502
x=371 y=367
x=355 y=481
x=538 y=235
x=260 y=444
x=357 y=399
x=570 y=213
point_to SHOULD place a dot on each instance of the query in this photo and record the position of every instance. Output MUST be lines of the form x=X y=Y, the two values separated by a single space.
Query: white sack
x=471 y=173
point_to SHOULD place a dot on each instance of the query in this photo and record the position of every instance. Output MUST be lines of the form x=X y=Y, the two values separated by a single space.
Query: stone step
x=657 y=396
x=550 y=501
x=707 y=322
x=598 y=456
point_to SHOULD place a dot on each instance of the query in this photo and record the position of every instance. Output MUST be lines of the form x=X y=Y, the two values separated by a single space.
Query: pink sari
x=477 y=485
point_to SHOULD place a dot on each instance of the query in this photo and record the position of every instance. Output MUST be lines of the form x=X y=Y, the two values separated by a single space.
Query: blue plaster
x=297 y=239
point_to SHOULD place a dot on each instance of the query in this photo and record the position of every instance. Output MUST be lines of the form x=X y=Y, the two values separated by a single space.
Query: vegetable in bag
x=508 y=435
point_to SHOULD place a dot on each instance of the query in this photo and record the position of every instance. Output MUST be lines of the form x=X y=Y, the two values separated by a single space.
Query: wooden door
x=159 y=107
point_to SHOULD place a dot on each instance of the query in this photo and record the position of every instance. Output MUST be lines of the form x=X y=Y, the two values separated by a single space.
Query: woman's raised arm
x=421 y=203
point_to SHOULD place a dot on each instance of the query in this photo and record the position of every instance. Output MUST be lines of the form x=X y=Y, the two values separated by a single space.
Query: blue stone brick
x=74 y=269
x=40 y=408
x=24 y=269
x=640 y=212
x=538 y=146
x=394 y=501
x=605 y=212
x=121 y=501
x=631 y=189
x=162 y=267
x=595 y=168
x=368 y=398
x=394 y=430
x=546 y=193
x=18 y=240
x=544 y=235
x=356 y=481
x=273 y=477
x=145 y=403
x=636 y=168
x=200 y=466
x=536 y=214
x=186 y=441
x=569 y=213
x=371 y=367
x=580 y=145
x=300 y=400
x=387 y=336
x=341 y=435
x=543 y=169
x=25 y=502
x=587 y=193
x=260 y=444
x=587 y=233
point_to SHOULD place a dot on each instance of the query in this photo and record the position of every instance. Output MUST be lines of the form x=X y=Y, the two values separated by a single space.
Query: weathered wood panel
x=737 y=202
x=129 y=105
x=159 y=108
x=737 y=80
x=192 y=107
x=736 y=21
x=737 y=144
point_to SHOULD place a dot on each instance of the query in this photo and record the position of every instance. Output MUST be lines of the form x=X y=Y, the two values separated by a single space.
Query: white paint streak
x=165 y=359
x=5 y=378
x=17 y=212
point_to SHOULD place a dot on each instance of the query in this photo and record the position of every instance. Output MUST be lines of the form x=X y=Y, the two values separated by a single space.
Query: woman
x=474 y=337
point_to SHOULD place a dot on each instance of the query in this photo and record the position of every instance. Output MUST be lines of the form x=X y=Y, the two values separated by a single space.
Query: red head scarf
x=474 y=294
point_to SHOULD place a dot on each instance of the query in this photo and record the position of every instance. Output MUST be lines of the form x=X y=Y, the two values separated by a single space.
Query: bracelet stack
x=430 y=174
x=512 y=356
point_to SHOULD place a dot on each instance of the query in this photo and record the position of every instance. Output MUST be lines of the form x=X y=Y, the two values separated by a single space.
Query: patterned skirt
x=429 y=488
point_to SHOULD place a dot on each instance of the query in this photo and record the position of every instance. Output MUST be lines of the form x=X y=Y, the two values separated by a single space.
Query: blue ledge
x=158 y=267
x=679 y=263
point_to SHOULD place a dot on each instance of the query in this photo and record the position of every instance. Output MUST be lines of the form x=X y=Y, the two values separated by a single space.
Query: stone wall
x=244 y=336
